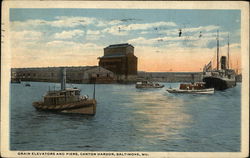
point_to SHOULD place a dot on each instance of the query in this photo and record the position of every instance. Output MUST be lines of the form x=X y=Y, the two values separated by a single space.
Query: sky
x=76 y=37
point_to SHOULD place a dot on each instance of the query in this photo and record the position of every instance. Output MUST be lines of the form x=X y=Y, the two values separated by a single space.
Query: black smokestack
x=223 y=61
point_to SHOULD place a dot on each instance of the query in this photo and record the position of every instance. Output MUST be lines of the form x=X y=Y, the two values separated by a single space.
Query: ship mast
x=228 y=51
x=217 y=50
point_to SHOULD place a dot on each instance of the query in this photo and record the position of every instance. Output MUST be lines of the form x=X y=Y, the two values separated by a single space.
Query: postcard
x=124 y=79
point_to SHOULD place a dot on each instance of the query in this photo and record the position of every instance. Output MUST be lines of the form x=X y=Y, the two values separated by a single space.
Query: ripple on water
x=129 y=119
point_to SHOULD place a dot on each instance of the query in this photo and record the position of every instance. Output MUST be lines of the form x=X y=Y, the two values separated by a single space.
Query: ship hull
x=140 y=86
x=199 y=91
x=85 y=107
x=219 y=83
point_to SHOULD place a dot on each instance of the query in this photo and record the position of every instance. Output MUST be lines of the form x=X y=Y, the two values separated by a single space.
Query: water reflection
x=163 y=117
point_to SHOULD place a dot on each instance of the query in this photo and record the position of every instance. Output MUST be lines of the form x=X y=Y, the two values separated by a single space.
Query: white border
x=6 y=60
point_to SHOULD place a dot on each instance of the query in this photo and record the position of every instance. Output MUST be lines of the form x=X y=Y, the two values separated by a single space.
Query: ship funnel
x=63 y=78
x=223 y=61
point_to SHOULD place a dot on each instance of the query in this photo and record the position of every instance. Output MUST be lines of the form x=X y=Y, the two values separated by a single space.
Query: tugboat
x=193 y=88
x=221 y=78
x=148 y=84
x=67 y=100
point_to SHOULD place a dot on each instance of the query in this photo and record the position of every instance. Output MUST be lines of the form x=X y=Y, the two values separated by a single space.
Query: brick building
x=120 y=59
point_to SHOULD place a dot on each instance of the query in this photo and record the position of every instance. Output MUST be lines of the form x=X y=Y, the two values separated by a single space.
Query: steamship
x=67 y=100
x=222 y=77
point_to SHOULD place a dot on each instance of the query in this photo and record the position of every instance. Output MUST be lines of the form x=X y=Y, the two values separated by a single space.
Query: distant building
x=81 y=74
x=120 y=59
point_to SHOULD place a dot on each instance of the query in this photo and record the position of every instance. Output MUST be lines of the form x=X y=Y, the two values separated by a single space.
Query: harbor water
x=128 y=119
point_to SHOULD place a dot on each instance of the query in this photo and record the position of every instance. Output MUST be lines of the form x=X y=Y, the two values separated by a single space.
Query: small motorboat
x=27 y=85
x=193 y=88
x=148 y=84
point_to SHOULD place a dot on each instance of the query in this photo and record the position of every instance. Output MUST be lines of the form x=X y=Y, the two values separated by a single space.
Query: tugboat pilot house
x=62 y=97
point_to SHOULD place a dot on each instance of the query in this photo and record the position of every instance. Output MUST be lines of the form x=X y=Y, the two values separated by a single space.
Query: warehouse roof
x=119 y=45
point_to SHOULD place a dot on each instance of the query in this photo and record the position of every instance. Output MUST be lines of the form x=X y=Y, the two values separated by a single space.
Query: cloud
x=153 y=41
x=59 y=21
x=231 y=46
x=202 y=28
x=174 y=41
x=68 y=34
x=93 y=32
x=60 y=44
x=125 y=29
x=62 y=22
x=25 y=39
x=195 y=37
x=46 y=57
x=141 y=40
x=104 y=23
x=66 y=21
x=151 y=25
x=188 y=30
x=116 y=30
x=144 y=32
x=92 y=46
x=26 y=35
x=93 y=35
x=235 y=45
x=69 y=45
x=28 y=24
x=56 y=52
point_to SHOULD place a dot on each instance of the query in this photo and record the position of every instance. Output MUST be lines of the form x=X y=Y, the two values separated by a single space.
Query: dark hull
x=86 y=107
x=219 y=83
x=161 y=86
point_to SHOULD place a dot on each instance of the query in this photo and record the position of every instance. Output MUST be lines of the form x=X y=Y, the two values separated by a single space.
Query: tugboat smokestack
x=63 y=78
